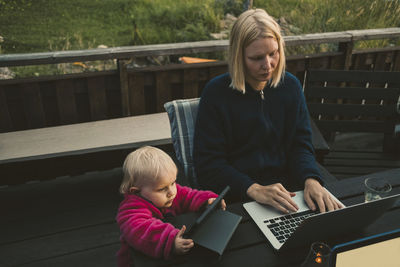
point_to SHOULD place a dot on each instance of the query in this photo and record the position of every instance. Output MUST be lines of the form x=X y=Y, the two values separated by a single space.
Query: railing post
x=347 y=49
x=123 y=76
x=247 y=4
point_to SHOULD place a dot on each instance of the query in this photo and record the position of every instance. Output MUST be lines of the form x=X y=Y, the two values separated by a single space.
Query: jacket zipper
x=262 y=94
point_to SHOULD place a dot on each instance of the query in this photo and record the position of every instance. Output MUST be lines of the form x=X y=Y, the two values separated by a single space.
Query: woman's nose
x=267 y=63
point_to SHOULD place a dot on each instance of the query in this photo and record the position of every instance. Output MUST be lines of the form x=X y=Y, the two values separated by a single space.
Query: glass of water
x=376 y=188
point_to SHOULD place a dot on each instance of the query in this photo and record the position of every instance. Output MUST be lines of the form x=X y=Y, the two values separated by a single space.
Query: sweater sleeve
x=189 y=199
x=301 y=159
x=210 y=148
x=144 y=232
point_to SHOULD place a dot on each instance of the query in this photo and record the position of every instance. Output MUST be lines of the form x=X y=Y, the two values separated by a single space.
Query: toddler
x=150 y=194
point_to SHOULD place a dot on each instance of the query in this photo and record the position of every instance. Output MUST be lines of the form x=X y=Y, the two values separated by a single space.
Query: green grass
x=29 y=26
x=52 y=25
x=44 y=25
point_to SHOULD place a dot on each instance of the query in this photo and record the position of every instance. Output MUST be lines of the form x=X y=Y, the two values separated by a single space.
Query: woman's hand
x=182 y=245
x=211 y=200
x=314 y=192
x=274 y=195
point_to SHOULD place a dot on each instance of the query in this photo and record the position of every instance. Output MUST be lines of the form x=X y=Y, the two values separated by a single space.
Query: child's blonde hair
x=146 y=164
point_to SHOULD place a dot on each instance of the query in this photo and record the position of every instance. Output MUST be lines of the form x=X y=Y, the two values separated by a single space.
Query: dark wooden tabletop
x=249 y=247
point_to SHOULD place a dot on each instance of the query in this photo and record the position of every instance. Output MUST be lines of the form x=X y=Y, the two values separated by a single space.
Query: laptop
x=301 y=228
x=212 y=228
x=377 y=250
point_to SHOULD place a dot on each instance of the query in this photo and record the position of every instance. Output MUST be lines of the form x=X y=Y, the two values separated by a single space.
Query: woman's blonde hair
x=251 y=25
x=146 y=164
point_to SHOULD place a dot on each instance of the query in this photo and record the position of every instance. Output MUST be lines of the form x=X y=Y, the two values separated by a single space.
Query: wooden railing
x=72 y=98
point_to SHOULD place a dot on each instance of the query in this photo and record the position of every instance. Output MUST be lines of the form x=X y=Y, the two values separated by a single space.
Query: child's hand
x=223 y=205
x=182 y=245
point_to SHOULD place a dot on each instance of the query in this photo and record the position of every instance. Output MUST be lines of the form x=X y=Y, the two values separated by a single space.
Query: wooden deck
x=70 y=220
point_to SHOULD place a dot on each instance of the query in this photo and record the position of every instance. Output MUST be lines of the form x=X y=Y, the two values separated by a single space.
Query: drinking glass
x=376 y=188
x=318 y=256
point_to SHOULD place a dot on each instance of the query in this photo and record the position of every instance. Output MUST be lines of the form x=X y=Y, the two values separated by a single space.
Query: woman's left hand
x=211 y=200
x=315 y=193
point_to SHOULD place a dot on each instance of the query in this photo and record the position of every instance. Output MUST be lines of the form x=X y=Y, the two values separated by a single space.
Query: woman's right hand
x=182 y=245
x=274 y=195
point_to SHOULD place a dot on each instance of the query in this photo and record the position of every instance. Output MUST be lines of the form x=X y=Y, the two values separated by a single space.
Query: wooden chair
x=341 y=101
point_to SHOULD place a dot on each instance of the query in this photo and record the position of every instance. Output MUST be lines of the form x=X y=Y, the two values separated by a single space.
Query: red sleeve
x=188 y=199
x=144 y=232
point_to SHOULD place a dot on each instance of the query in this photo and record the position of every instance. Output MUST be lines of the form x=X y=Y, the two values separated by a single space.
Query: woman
x=253 y=131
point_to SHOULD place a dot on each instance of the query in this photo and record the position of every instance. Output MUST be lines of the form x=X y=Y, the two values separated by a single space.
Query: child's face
x=162 y=192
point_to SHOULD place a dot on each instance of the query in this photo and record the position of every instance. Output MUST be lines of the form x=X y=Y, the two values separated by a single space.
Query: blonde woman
x=252 y=131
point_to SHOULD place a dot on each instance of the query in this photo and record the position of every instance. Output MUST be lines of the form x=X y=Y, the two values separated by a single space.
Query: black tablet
x=207 y=211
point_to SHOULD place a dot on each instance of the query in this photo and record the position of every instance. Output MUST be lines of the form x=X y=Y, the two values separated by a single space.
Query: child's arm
x=144 y=232
x=190 y=199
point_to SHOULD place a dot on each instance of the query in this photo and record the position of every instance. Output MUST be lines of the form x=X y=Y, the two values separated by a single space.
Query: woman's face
x=261 y=58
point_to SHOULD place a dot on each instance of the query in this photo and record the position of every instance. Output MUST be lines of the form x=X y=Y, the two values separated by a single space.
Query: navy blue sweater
x=241 y=138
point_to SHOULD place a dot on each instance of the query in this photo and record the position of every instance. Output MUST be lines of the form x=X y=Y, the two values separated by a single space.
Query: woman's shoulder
x=290 y=79
x=218 y=84
x=290 y=83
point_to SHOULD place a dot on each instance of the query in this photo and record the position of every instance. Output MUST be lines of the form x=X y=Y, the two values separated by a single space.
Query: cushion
x=182 y=117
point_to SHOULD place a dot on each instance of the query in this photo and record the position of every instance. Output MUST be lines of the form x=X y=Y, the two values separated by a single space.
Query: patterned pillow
x=182 y=117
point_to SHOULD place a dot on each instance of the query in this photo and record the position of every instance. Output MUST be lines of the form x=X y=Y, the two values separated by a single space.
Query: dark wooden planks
x=61 y=220
x=353 y=76
x=352 y=109
x=58 y=100
x=33 y=105
x=387 y=94
x=66 y=102
x=48 y=247
x=163 y=89
x=102 y=256
x=5 y=118
x=354 y=126
x=97 y=98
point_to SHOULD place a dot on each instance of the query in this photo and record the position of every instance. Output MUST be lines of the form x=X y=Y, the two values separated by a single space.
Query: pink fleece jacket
x=141 y=224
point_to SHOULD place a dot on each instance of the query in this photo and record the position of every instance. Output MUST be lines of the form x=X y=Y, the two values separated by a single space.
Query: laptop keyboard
x=282 y=227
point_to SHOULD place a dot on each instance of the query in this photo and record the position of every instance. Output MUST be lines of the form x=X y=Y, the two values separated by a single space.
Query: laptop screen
x=380 y=250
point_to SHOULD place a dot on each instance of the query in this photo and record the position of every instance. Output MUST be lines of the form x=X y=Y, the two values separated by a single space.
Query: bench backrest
x=353 y=101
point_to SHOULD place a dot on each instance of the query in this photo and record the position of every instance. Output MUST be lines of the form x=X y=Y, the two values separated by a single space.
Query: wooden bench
x=59 y=150
x=357 y=105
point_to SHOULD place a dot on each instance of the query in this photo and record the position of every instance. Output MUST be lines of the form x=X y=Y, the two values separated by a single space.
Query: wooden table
x=248 y=246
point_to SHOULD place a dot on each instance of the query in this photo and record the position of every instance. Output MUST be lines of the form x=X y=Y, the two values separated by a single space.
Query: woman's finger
x=309 y=201
x=288 y=203
x=279 y=206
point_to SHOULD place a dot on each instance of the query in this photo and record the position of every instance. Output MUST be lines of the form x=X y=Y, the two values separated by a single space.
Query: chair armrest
x=320 y=145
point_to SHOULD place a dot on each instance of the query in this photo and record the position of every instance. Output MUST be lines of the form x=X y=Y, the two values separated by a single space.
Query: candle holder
x=318 y=256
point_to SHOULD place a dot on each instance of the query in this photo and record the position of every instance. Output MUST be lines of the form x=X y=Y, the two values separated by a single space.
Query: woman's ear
x=134 y=190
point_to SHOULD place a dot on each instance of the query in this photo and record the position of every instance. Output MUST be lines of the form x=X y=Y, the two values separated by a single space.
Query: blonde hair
x=251 y=25
x=146 y=164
